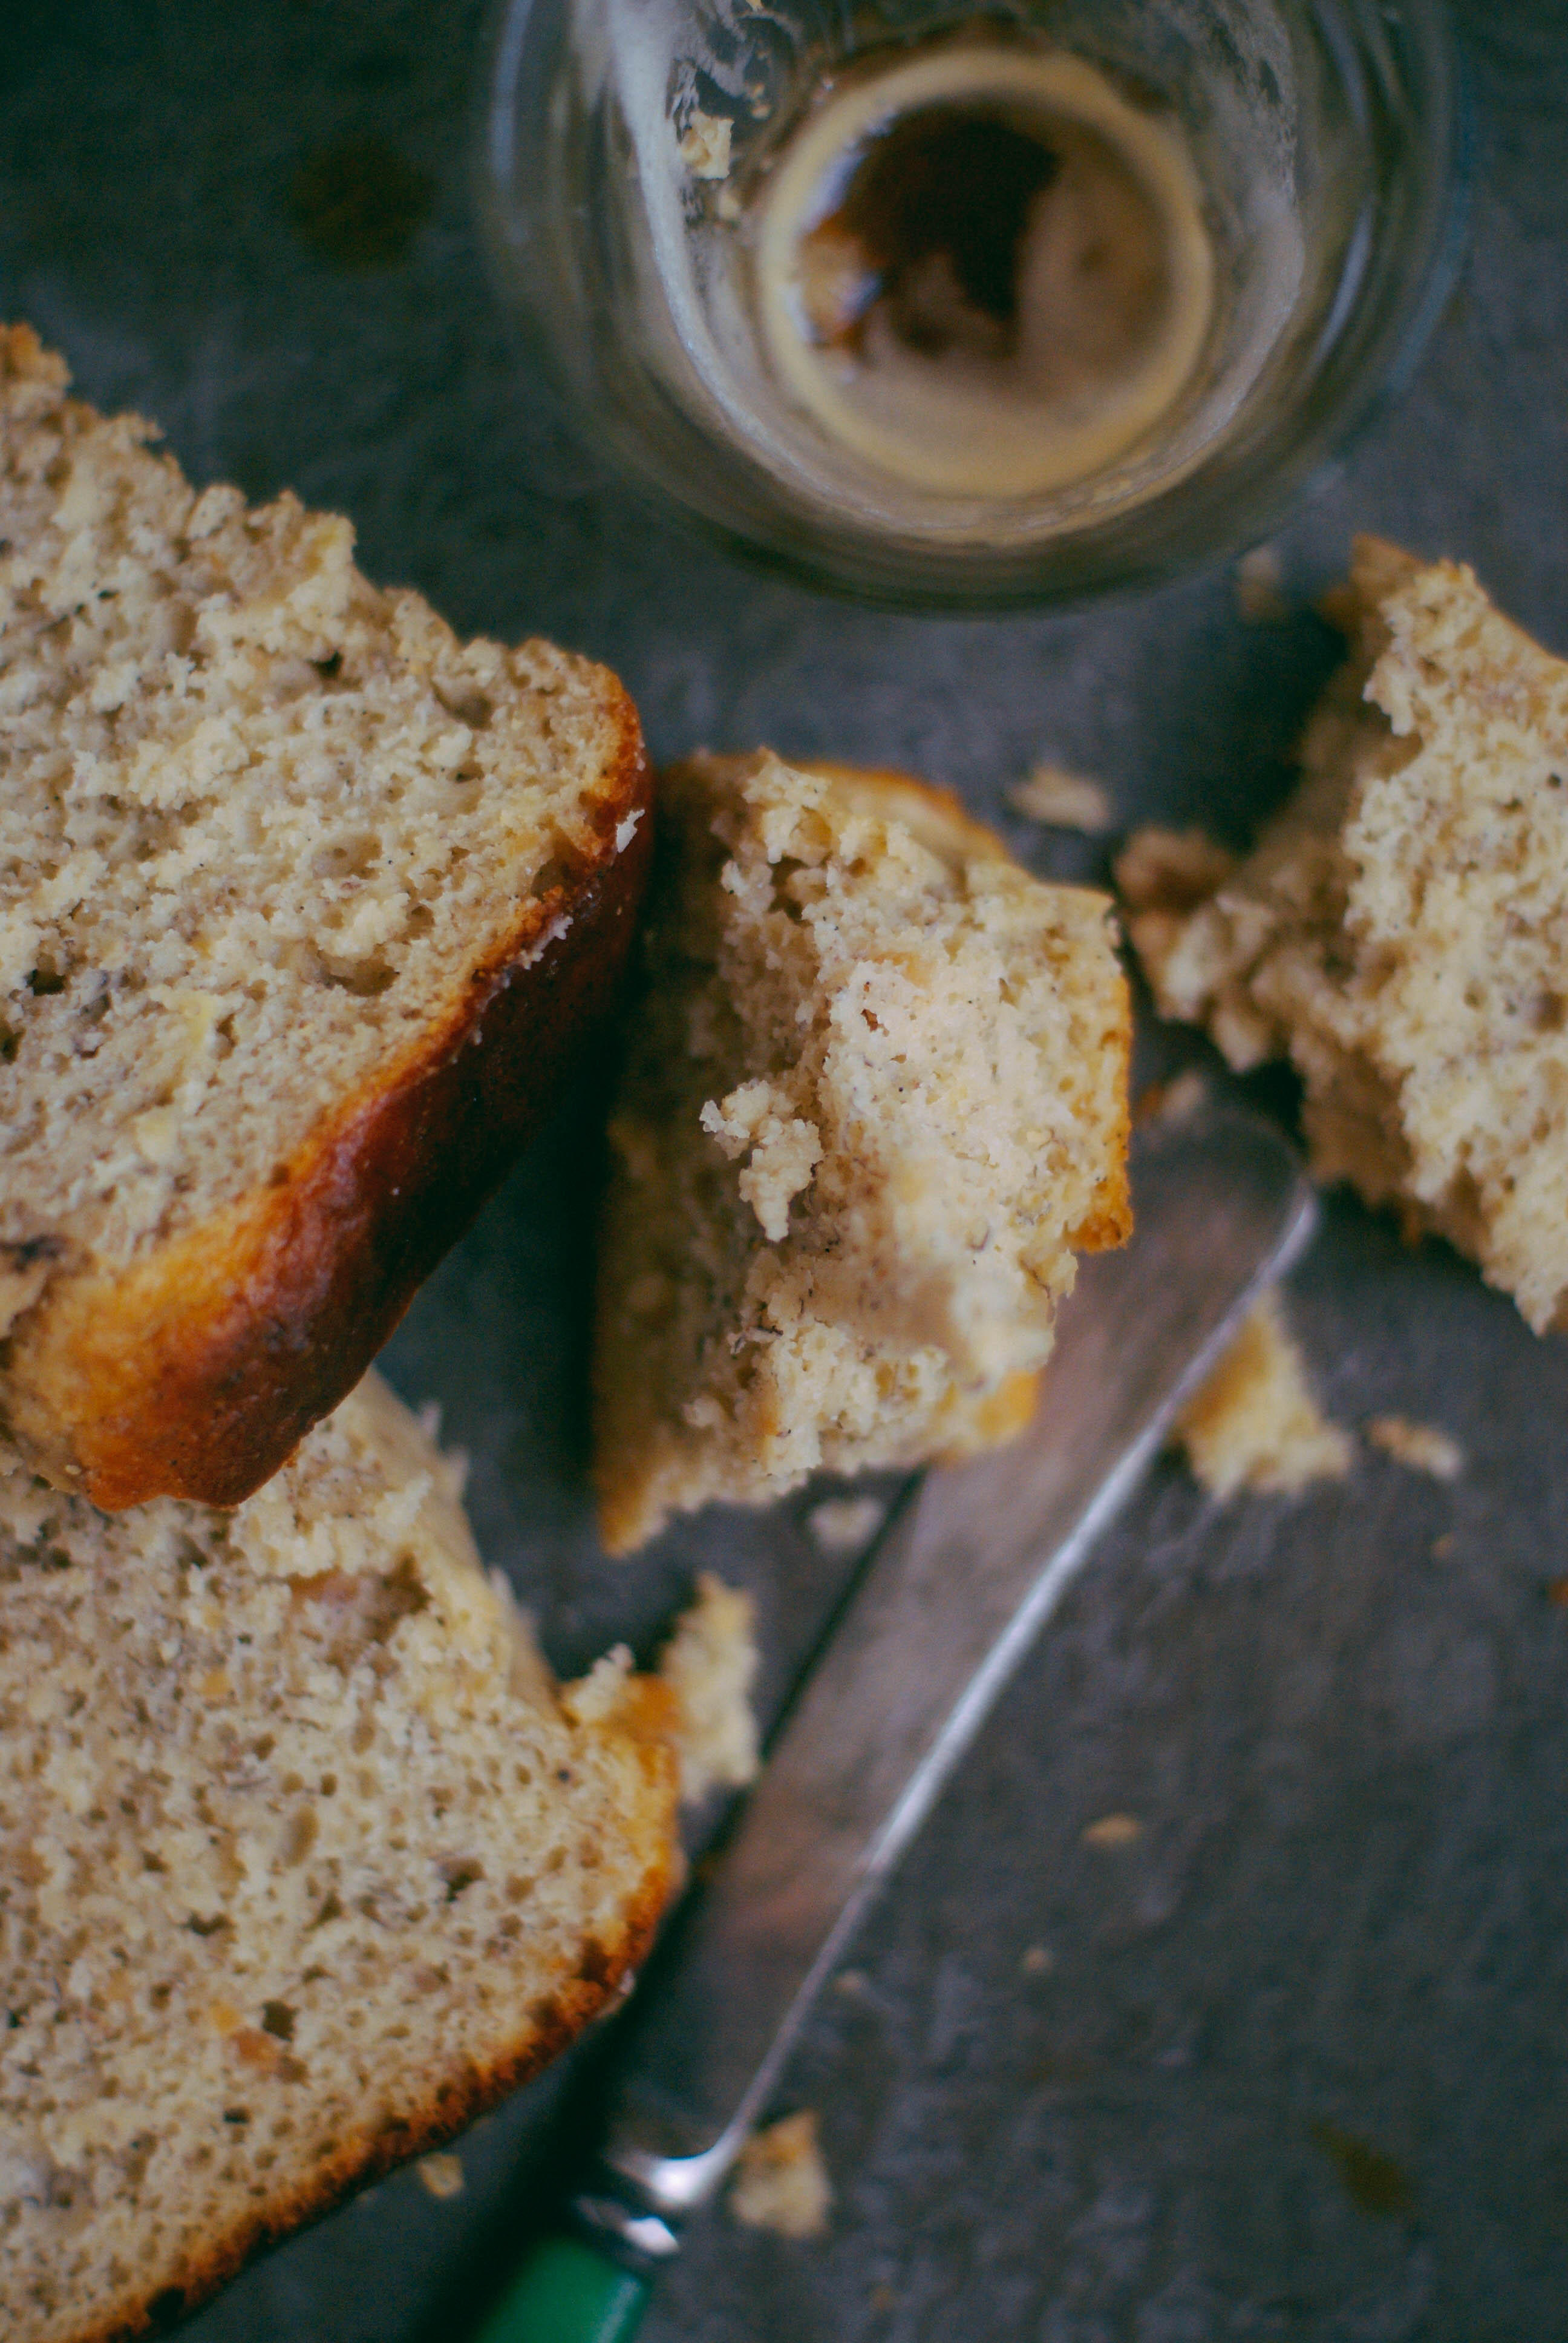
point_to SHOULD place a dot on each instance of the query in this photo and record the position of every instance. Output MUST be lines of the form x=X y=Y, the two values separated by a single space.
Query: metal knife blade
x=947 y=1603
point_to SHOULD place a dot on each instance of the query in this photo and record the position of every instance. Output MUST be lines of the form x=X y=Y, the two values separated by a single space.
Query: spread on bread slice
x=874 y=1097
x=303 y=904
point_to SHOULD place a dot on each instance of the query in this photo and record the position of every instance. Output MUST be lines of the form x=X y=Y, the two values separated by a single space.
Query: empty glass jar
x=953 y=307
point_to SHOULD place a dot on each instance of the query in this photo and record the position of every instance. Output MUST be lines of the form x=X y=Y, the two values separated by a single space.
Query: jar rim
x=1392 y=290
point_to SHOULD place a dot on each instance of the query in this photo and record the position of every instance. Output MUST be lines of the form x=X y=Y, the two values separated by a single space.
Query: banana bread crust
x=196 y=1373
x=453 y=2102
x=403 y=1664
x=179 y=1340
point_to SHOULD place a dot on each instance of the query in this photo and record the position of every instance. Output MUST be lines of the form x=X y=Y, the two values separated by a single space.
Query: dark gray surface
x=1297 y=2066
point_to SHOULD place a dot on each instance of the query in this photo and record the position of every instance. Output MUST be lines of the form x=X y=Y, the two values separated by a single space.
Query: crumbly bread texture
x=1420 y=1447
x=846 y=1524
x=780 y=2181
x=441 y=2176
x=1401 y=930
x=301 y=902
x=1063 y=800
x=303 y=1862
x=1255 y=1424
x=875 y=1094
x=711 y=1665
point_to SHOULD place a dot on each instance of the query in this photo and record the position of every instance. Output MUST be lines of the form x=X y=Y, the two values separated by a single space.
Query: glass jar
x=635 y=156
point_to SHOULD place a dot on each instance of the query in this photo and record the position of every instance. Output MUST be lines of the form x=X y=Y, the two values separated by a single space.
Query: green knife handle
x=567 y=2293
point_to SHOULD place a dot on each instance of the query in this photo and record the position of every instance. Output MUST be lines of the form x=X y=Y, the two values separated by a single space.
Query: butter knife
x=946 y=1604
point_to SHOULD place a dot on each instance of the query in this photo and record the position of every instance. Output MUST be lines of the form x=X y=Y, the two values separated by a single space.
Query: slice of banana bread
x=1401 y=930
x=303 y=1862
x=875 y=1094
x=302 y=903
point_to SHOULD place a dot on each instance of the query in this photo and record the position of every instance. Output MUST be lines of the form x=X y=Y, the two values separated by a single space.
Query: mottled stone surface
x=1289 y=2062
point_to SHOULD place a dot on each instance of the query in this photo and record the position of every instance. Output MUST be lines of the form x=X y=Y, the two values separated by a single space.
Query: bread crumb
x=442 y=2175
x=781 y=2182
x=1038 y=1959
x=1113 y=1831
x=705 y=147
x=1184 y=1096
x=710 y=1663
x=1421 y=1446
x=1443 y=1547
x=1173 y=1101
x=851 y=1984
x=602 y=1691
x=1255 y=1424
x=844 y=1524
x=1171 y=870
x=782 y=1150
x=884 y=2298
x=1065 y=800
x=1259 y=579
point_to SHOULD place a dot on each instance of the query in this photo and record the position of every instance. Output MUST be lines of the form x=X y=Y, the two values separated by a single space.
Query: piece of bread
x=781 y=2182
x=303 y=903
x=1254 y=1422
x=710 y=1663
x=874 y=1096
x=303 y=1862
x=1419 y=1447
x=1401 y=930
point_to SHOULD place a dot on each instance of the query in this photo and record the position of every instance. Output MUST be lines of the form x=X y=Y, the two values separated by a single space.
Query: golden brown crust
x=196 y=1374
x=1378 y=568
x=937 y=817
x=23 y=357
x=997 y=1419
x=452 y=2104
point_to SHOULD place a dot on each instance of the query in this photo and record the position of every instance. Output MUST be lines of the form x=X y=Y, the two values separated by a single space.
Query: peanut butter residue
x=984 y=270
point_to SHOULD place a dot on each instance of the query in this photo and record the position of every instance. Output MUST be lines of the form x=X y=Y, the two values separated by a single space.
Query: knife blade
x=948 y=1602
